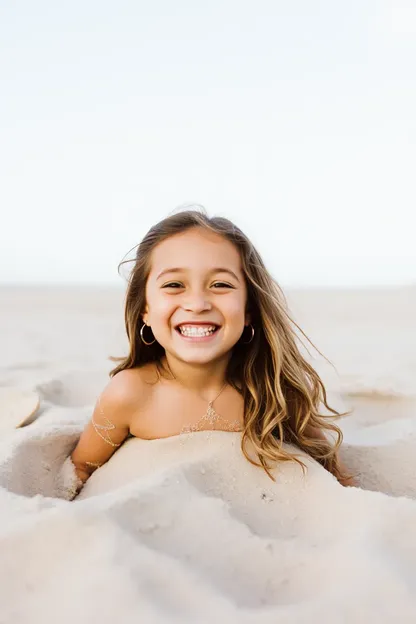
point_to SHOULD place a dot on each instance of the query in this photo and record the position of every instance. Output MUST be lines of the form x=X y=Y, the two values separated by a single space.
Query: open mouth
x=197 y=331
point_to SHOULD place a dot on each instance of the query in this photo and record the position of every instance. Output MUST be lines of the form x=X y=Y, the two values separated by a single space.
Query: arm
x=108 y=428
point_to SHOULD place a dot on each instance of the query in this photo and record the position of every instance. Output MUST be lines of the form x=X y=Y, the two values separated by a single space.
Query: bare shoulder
x=129 y=389
x=115 y=410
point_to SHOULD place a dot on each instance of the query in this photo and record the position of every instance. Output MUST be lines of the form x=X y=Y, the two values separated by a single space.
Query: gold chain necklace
x=211 y=415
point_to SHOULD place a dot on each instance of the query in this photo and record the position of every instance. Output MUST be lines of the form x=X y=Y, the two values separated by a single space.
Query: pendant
x=211 y=415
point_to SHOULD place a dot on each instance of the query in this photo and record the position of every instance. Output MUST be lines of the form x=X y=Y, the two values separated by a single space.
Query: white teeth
x=188 y=330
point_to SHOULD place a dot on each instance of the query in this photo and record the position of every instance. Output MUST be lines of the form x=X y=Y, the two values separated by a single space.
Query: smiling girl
x=212 y=347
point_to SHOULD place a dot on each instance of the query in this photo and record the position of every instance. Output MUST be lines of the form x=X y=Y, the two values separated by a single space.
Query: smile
x=196 y=332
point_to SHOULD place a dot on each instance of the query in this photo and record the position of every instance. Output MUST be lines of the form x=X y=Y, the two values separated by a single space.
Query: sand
x=185 y=529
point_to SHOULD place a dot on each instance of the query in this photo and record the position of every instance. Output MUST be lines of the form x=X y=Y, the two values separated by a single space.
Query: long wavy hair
x=282 y=392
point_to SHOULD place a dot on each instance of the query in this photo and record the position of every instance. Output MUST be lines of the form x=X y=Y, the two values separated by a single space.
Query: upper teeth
x=193 y=330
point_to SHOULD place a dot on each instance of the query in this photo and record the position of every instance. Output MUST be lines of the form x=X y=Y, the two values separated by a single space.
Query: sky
x=297 y=120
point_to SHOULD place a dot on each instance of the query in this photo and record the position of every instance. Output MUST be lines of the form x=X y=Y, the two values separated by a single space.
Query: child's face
x=202 y=283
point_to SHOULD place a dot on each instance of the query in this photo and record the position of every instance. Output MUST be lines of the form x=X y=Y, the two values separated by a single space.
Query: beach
x=63 y=337
x=172 y=526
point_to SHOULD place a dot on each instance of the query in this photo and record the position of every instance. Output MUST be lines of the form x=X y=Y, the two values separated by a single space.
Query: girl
x=211 y=347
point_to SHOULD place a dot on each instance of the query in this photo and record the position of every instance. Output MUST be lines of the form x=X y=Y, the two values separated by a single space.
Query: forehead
x=196 y=248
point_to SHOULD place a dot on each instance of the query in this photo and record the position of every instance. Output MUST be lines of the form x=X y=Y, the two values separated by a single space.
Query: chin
x=196 y=358
x=200 y=358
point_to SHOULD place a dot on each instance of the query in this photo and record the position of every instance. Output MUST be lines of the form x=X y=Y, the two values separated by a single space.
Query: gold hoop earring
x=141 y=335
x=252 y=335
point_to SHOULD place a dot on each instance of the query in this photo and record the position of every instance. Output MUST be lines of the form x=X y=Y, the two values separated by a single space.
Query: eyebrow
x=180 y=270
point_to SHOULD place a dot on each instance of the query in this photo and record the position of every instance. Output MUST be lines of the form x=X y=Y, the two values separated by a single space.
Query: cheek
x=160 y=308
x=235 y=309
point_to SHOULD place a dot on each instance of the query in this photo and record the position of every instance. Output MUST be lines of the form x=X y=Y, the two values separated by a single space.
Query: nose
x=196 y=301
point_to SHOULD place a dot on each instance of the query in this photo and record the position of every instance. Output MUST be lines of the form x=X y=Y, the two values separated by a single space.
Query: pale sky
x=296 y=119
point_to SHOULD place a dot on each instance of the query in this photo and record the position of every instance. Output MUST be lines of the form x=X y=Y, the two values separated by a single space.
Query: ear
x=247 y=319
x=145 y=315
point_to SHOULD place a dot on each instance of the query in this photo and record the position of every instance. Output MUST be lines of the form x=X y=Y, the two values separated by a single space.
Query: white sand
x=185 y=529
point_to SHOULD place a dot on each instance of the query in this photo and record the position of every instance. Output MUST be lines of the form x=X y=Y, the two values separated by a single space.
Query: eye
x=223 y=285
x=177 y=285
x=172 y=285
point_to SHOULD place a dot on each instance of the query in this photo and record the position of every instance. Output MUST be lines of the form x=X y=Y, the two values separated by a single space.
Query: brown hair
x=282 y=391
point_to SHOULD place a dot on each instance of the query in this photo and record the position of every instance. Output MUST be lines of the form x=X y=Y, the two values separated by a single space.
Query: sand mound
x=185 y=529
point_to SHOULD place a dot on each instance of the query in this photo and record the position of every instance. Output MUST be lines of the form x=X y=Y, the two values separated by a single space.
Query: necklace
x=211 y=415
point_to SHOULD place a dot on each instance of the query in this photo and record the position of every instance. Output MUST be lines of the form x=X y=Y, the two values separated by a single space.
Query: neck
x=205 y=378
